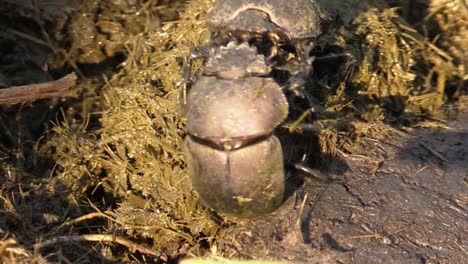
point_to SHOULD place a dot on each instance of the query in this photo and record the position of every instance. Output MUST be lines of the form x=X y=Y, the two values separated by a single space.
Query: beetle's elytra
x=247 y=182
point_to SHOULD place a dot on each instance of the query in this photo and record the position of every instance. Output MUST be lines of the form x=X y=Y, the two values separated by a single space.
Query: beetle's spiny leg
x=313 y=173
x=302 y=69
x=350 y=64
x=207 y=49
x=302 y=127
x=335 y=56
x=197 y=52
x=294 y=127
x=303 y=49
x=187 y=78
x=314 y=104
x=202 y=51
x=274 y=38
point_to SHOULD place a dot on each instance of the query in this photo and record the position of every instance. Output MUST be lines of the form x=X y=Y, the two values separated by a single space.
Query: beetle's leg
x=185 y=83
x=187 y=79
x=314 y=173
x=197 y=52
x=303 y=50
x=302 y=68
x=205 y=50
x=274 y=38
x=315 y=105
x=350 y=63
x=202 y=51
x=299 y=76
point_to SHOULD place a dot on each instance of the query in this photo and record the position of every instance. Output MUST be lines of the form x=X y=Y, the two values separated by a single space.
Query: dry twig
x=86 y=217
x=434 y=152
x=97 y=238
x=31 y=92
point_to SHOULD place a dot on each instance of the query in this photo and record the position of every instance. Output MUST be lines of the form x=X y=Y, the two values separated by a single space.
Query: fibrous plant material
x=397 y=69
x=452 y=18
x=407 y=64
x=136 y=154
x=386 y=67
x=12 y=252
x=132 y=246
x=103 y=29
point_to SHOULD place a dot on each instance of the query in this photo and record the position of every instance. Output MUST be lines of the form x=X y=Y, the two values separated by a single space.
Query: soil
x=404 y=201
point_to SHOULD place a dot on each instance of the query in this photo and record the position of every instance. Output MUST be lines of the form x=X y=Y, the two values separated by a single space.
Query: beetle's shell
x=245 y=182
x=297 y=19
x=228 y=109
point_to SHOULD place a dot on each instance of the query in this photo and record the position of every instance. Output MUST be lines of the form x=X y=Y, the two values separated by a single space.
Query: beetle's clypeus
x=235 y=161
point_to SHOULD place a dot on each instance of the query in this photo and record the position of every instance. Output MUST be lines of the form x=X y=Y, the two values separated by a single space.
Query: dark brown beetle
x=235 y=161
x=294 y=21
x=284 y=23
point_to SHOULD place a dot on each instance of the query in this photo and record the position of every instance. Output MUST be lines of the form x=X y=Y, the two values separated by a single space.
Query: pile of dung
x=399 y=70
x=451 y=18
x=12 y=252
x=135 y=155
x=117 y=151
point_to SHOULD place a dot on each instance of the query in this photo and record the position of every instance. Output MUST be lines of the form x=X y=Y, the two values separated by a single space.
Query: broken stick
x=32 y=92
x=97 y=238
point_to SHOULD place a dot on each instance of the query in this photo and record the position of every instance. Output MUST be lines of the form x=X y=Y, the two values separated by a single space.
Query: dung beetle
x=285 y=24
x=235 y=161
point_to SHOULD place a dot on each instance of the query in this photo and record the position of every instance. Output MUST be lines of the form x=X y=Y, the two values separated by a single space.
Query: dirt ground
x=101 y=176
x=403 y=200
